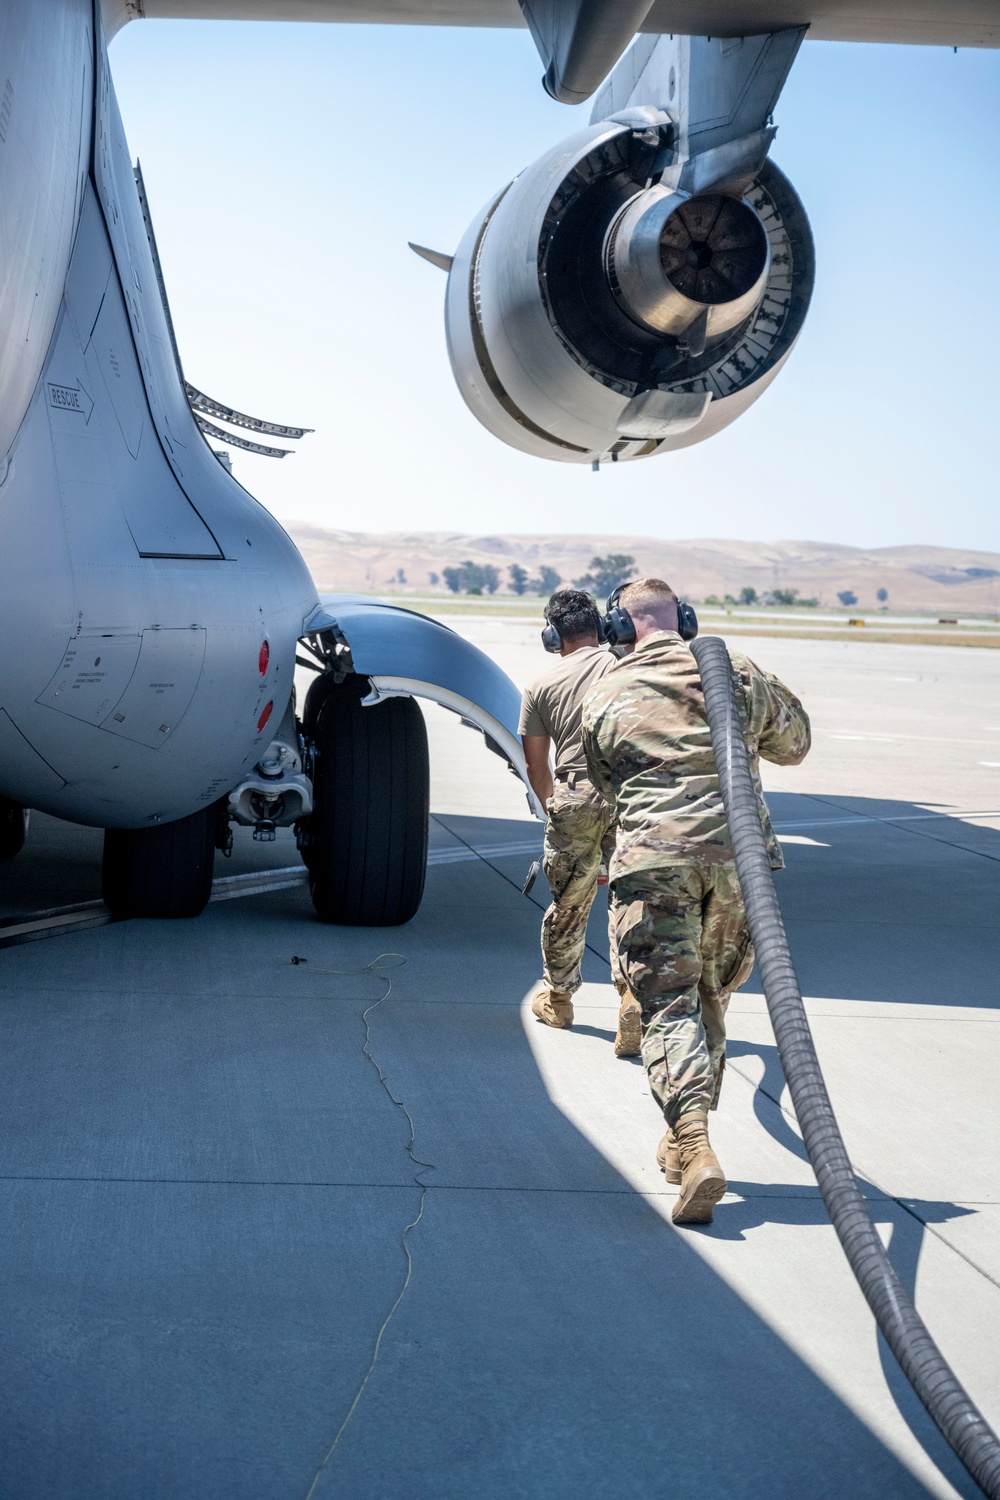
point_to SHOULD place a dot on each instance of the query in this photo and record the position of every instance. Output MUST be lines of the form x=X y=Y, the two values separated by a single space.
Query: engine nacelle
x=596 y=312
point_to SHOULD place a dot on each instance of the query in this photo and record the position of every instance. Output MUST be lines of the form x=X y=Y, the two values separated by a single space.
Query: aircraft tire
x=366 y=847
x=13 y=827
x=164 y=871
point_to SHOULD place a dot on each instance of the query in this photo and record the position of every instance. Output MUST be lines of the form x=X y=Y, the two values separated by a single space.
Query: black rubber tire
x=13 y=827
x=164 y=871
x=366 y=843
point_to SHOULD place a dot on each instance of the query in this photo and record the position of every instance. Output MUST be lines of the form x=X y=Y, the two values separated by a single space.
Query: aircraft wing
x=581 y=40
x=960 y=23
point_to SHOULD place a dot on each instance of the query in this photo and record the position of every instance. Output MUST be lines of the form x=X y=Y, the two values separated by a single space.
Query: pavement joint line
x=51 y=911
x=27 y=931
x=921 y=739
x=254 y=1182
x=60 y=921
x=867 y=921
x=588 y=947
x=919 y=832
x=266 y=880
x=885 y=1194
x=495 y=851
x=907 y=1207
x=832 y=1015
x=793 y=1191
x=80 y=916
x=856 y=818
x=609 y=1011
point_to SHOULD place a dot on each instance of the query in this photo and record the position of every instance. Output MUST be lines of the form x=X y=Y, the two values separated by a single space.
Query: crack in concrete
x=420 y=1165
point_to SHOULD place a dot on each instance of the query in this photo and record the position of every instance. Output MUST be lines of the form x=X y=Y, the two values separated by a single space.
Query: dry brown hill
x=935 y=579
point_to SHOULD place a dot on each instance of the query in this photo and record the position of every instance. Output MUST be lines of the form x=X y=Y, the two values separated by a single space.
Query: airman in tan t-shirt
x=578 y=827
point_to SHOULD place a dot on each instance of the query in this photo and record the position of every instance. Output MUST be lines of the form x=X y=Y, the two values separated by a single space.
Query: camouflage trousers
x=578 y=834
x=683 y=946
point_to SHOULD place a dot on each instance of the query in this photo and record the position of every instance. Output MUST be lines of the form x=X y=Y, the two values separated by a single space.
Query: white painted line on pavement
x=919 y=739
x=56 y=921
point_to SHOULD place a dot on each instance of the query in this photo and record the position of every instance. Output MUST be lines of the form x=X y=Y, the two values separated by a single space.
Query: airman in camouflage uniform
x=578 y=828
x=578 y=836
x=677 y=917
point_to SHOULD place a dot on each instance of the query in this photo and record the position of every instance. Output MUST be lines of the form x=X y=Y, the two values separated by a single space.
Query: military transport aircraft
x=630 y=293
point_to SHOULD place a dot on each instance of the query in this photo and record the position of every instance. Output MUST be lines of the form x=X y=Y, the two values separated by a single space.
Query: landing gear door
x=404 y=654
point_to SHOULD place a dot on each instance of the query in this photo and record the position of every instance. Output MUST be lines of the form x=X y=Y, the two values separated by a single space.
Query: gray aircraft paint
x=532 y=382
x=961 y=23
x=138 y=580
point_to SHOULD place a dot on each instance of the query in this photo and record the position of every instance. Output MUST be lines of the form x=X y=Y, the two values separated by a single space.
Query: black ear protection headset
x=619 y=629
x=553 y=641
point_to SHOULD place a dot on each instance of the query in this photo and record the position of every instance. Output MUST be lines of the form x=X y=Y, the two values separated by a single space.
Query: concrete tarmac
x=360 y=1227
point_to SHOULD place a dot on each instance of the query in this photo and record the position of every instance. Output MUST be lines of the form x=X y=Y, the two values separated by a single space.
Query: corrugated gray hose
x=923 y=1364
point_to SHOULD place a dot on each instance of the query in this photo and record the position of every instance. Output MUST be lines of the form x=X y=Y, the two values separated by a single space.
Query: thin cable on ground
x=517 y=886
x=419 y=1164
x=949 y=1405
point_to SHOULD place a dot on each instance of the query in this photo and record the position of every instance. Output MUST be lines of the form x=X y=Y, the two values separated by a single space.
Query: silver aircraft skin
x=567 y=339
x=152 y=609
x=139 y=582
x=961 y=23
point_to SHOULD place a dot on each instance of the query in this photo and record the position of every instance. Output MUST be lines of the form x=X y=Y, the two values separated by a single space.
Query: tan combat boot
x=703 y=1181
x=668 y=1154
x=552 y=1008
x=628 y=1042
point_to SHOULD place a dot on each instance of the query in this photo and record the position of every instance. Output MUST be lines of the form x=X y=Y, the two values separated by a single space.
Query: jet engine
x=616 y=301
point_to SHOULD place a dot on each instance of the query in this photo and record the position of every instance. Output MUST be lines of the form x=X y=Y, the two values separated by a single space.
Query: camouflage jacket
x=647 y=744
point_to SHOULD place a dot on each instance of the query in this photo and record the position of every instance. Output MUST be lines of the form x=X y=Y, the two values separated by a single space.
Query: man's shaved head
x=652 y=599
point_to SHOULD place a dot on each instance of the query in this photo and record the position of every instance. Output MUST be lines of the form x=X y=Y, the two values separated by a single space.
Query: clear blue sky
x=287 y=166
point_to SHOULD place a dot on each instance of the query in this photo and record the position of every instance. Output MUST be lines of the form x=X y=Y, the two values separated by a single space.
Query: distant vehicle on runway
x=633 y=291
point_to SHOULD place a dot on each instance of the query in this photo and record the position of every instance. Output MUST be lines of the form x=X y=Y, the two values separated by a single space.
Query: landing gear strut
x=365 y=844
x=165 y=871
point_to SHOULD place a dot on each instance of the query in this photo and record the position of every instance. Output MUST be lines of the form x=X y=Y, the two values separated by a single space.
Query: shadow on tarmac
x=204 y=1188
x=875 y=864
x=870 y=902
x=907 y=1230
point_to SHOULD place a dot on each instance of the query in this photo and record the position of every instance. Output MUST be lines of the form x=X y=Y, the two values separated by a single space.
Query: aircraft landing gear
x=365 y=844
x=13 y=827
x=165 y=871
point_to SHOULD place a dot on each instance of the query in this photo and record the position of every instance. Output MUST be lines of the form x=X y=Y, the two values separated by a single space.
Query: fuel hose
x=959 y=1420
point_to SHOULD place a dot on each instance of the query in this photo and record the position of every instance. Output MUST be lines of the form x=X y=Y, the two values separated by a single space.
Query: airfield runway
x=359 y=1227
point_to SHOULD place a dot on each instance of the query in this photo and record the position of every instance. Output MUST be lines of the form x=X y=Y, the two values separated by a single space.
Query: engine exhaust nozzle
x=673 y=260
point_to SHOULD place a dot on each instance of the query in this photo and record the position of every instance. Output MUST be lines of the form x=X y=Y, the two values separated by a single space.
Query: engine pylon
x=596 y=313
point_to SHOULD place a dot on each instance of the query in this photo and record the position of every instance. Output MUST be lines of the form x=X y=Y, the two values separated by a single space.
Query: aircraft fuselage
x=150 y=606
